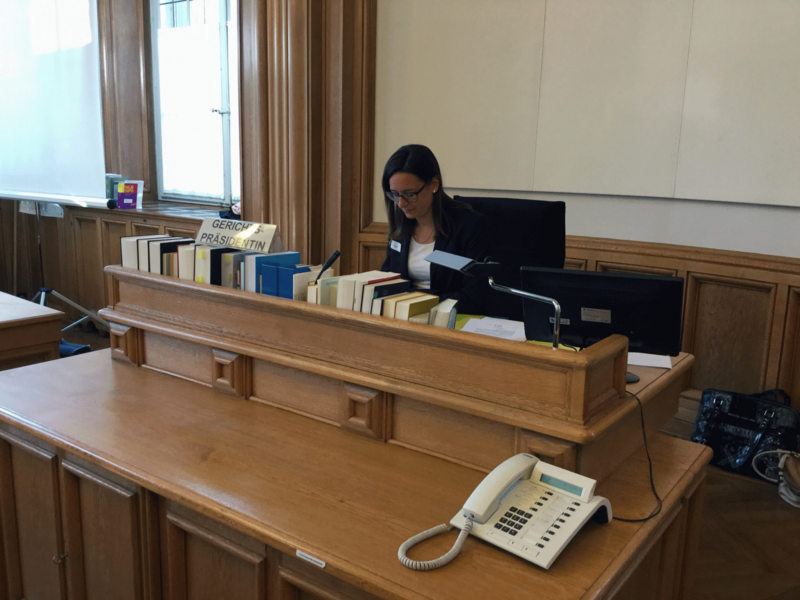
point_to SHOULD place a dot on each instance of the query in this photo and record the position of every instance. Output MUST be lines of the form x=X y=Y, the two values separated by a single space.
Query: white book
x=444 y=314
x=328 y=291
x=362 y=283
x=423 y=318
x=346 y=295
x=411 y=307
x=311 y=296
x=250 y=275
x=301 y=282
x=129 y=248
x=186 y=262
x=143 y=249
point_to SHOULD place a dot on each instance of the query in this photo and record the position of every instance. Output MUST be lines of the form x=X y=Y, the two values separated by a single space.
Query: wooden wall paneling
x=178 y=357
x=111 y=231
x=177 y=231
x=254 y=106
x=789 y=374
x=372 y=251
x=205 y=560
x=349 y=136
x=728 y=328
x=774 y=350
x=30 y=498
x=102 y=531
x=455 y=436
x=125 y=84
x=138 y=228
x=89 y=262
x=637 y=269
x=576 y=264
x=282 y=116
x=296 y=579
x=53 y=231
x=305 y=393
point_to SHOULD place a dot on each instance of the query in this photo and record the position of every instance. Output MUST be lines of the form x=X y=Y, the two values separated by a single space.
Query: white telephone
x=524 y=506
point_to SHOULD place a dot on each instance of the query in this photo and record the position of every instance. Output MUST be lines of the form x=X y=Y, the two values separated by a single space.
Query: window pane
x=191 y=135
x=233 y=71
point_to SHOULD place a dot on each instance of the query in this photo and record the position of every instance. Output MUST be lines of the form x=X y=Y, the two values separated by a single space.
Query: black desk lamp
x=489 y=269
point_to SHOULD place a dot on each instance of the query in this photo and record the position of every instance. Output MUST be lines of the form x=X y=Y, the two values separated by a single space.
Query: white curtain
x=51 y=130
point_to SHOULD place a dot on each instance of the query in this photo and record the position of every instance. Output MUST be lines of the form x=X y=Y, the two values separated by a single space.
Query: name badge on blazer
x=395 y=245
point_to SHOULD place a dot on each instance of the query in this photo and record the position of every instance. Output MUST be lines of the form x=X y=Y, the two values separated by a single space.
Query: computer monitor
x=645 y=308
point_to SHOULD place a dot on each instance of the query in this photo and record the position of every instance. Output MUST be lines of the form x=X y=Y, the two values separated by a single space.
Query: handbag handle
x=776 y=395
x=762 y=428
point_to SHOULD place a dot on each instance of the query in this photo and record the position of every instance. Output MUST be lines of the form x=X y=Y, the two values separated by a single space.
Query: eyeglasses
x=407 y=196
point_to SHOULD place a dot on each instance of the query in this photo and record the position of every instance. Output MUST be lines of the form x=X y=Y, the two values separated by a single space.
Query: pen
x=331 y=259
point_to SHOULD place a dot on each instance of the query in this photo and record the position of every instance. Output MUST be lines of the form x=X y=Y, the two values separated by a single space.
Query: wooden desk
x=153 y=484
x=29 y=333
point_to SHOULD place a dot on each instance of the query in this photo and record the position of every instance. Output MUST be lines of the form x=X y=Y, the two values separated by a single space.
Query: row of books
x=281 y=274
x=382 y=293
x=275 y=274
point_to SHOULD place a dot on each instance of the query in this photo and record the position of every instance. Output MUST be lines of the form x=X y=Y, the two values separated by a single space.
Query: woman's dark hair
x=417 y=160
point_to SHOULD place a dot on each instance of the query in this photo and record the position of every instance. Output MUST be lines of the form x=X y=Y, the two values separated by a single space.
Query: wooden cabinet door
x=110 y=535
x=292 y=578
x=32 y=545
x=205 y=560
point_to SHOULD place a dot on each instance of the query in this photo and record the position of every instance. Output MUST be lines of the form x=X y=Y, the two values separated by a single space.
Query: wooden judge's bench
x=241 y=446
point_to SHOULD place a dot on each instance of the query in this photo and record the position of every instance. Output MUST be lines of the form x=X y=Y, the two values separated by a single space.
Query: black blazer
x=468 y=236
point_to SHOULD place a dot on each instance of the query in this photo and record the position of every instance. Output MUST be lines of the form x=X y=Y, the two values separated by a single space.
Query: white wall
x=639 y=113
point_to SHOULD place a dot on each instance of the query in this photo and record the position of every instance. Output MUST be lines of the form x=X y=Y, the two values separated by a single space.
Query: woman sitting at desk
x=422 y=218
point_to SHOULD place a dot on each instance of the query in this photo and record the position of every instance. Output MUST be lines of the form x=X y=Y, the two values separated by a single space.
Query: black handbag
x=739 y=426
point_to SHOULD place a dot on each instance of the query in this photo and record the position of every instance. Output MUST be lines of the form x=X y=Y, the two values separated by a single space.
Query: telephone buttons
x=498 y=526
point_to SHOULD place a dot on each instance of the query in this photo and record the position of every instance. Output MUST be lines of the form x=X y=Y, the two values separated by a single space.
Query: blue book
x=269 y=279
x=286 y=279
x=254 y=262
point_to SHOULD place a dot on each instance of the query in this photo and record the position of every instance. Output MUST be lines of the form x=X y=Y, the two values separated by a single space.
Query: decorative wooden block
x=364 y=411
x=560 y=453
x=126 y=344
x=231 y=373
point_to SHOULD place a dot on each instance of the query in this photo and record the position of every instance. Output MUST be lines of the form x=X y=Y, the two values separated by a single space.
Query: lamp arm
x=529 y=296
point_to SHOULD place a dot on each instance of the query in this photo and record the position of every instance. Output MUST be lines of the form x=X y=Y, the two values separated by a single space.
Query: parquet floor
x=750 y=542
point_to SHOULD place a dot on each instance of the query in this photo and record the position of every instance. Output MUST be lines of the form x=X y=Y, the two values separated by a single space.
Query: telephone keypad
x=503 y=520
x=505 y=529
x=498 y=526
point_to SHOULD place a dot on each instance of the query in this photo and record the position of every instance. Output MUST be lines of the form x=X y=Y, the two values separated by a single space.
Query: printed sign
x=243 y=235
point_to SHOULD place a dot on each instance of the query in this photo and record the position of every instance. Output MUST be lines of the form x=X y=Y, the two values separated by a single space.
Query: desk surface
x=295 y=483
x=16 y=311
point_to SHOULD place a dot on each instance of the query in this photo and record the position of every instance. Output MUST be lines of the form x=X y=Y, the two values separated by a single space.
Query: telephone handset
x=524 y=506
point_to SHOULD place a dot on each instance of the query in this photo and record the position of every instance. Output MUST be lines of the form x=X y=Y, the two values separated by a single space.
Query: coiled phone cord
x=429 y=565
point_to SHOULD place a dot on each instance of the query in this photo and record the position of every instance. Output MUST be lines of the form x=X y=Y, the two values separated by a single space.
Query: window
x=196 y=103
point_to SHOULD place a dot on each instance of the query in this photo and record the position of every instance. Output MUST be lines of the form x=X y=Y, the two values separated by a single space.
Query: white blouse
x=419 y=269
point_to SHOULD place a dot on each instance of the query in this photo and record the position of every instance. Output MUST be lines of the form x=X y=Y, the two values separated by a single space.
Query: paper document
x=639 y=359
x=500 y=328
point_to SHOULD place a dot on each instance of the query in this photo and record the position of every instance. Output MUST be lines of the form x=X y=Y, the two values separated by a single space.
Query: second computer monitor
x=645 y=308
